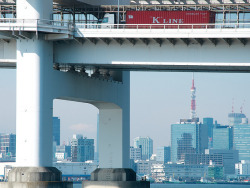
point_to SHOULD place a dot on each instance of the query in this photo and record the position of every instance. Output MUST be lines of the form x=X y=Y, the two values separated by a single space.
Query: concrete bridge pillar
x=34 y=103
x=34 y=9
x=34 y=106
x=113 y=139
x=37 y=85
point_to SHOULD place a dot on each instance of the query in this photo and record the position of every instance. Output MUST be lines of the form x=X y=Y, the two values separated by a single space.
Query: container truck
x=159 y=18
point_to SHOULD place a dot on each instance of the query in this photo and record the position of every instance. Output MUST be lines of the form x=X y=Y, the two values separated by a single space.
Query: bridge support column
x=113 y=139
x=34 y=118
x=114 y=142
x=34 y=106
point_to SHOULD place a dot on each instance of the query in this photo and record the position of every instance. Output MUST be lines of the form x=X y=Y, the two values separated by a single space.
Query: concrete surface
x=113 y=174
x=116 y=184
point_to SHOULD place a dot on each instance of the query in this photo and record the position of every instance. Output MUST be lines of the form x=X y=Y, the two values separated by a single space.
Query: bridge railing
x=65 y=26
x=164 y=26
x=21 y=24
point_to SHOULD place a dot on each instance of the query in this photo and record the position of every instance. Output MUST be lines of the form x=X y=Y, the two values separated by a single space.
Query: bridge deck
x=104 y=37
x=14 y=28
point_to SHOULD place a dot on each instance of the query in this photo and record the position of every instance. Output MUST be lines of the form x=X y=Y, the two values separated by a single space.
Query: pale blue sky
x=158 y=99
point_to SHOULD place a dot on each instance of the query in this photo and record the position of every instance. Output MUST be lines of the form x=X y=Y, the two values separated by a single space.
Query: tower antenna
x=193 y=102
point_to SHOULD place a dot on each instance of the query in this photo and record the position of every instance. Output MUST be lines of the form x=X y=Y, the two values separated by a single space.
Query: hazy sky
x=158 y=99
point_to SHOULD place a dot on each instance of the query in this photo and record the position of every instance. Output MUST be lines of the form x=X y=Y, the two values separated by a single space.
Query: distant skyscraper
x=135 y=153
x=242 y=140
x=146 y=145
x=97 y=140
x=56 y=130
x=230 y=158
x=8 y=145
x=82 y=149
x=223 y=137
x=187 y=138
x=210 y=126
x=163 y=154
x=193 y=102
x=236 y=119
x=64 y=149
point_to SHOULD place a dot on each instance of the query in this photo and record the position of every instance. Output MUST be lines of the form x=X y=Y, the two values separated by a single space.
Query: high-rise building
x=97 y=139
x=135 y=153
x=242 y=168
x=146 y=145
x=82 y=149
x=65 y=150
x=56 y=130
x=8 y=145
x=187 y=138
x=163 y=154
x=230 y=158
x=210 y=125
x=205 y=159
x=236 y=119
x=241 y=140
x=223 y=137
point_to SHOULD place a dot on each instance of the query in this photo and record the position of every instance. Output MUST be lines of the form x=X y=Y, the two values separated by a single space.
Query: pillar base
x=116 y=184
x=35 y=177
x=36 y=185
x=115 y=178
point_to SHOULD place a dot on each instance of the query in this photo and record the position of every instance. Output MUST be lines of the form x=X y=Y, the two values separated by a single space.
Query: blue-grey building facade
x=242 y=140
x=8 y=146
x=146 y=144
x=82 y=149
x=163 y=154
x=210 y=125
x=56 y=130
x=223 y=137
x=187 y=138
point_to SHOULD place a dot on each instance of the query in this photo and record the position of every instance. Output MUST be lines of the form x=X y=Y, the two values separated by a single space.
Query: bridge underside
x=138 y=54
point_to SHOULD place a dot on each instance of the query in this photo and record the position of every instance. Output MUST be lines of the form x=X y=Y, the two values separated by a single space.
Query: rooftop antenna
x=241 y=108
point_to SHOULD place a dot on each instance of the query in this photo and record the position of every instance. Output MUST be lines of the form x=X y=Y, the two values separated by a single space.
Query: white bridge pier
x=51 y=58
x=38 y=84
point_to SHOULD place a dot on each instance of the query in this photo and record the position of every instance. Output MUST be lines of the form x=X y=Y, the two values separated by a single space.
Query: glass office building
x=187 y=138
x=56 y=130
x=163 y=154
x=146 y=145
x=82 y=149
x=210 y=126
x=236 y=119
x=8 y=145
x=223 y=137
x=183 y=140
x=242 y=140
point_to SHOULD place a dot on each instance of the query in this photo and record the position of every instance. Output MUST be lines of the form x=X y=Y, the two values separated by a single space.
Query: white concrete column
x=34 y=103
x=110 y=138
x=114 y=129
x=34 y=9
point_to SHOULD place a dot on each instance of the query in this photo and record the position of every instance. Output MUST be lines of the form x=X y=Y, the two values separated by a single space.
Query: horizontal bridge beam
x=170 y=67
x=167 y=41
x=145 y=66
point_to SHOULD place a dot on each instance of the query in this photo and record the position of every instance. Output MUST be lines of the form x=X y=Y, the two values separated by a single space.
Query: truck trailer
x=157 y=19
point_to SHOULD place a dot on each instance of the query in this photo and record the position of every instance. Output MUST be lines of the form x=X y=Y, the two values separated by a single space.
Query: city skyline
x=158 y=99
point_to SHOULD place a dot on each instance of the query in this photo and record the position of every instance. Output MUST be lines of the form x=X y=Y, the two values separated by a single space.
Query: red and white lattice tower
x=193 y=103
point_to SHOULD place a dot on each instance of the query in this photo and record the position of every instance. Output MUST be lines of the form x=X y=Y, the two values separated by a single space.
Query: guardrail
x=17 y=24
x=164 y=26
x=42 y=25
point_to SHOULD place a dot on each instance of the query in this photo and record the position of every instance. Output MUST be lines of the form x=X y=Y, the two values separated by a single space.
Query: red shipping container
x=170 y=17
